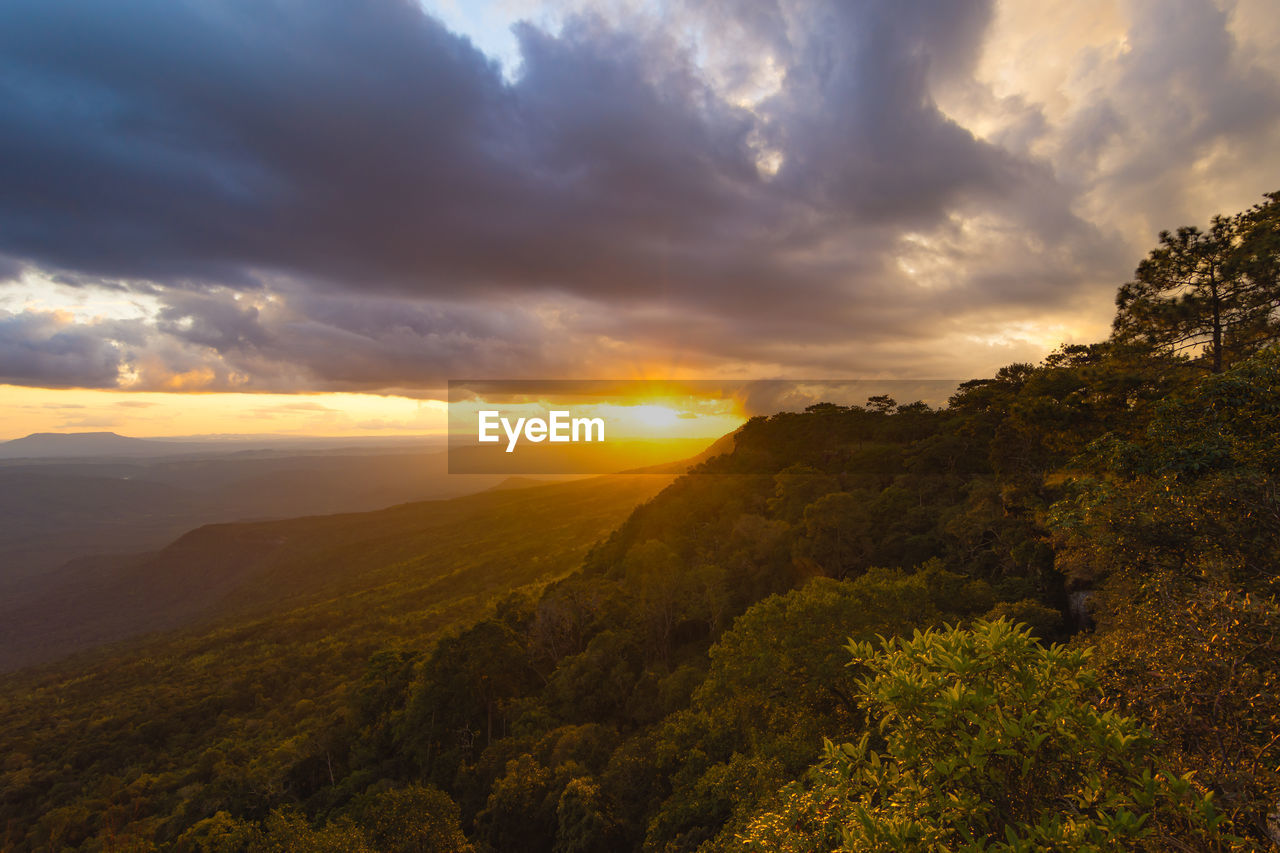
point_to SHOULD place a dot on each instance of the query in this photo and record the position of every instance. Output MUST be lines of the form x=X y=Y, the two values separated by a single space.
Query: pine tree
x=1214 y=292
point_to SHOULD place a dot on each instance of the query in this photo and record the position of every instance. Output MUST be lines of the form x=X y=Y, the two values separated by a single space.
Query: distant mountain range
x=44 y=445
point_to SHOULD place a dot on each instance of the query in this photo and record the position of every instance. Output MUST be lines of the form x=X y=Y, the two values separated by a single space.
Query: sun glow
x=655 y=417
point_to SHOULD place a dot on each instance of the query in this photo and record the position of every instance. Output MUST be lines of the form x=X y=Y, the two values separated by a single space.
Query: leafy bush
x=986 y=740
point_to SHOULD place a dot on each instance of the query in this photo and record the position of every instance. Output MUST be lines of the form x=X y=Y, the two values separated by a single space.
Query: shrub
x=983 y=739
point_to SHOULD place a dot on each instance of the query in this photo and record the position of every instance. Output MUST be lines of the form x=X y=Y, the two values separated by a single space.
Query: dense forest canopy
x=1040 y=618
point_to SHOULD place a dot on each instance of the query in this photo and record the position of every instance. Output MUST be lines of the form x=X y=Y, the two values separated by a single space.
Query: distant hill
x=49 y=445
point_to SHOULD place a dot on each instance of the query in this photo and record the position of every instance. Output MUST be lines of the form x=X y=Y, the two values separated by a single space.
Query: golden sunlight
x=657 y=418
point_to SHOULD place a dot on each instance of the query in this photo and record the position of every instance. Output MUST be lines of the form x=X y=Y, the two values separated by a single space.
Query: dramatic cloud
x=51 y=350
x=340 y=195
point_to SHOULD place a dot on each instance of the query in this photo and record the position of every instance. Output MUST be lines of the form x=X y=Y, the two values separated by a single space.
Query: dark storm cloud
x=51 y=351
x=356 y=143
x=189 y=142
x=365 y=145
x=347 y=195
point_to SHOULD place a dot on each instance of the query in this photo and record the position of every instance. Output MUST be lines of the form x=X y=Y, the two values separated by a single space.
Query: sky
x=347 y=204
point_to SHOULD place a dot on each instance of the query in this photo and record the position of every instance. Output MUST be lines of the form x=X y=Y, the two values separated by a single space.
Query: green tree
x=796 y=487
x=521 y=813
x=288 y=831
x=221 y=833
x=881 y=404
x=1213 y=290
x=414 y=819
x=584 y=824
x=837 y=536
x=986 y=740
x=774 y=684
x=457 y=701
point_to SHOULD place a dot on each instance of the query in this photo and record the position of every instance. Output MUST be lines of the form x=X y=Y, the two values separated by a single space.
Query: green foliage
x=457 y=700
x=583 y=822
x=985 y=740
x=839 y=533
x=220 y=833
x=1044 y=622
x=796 y=487
x=596 y=683
x=1203 y=670
x=135 y=745
x=1181 y=526
x=1195 y=493
x=522 y=811
x=774 y=682
x=414 y=819
x=287 y=831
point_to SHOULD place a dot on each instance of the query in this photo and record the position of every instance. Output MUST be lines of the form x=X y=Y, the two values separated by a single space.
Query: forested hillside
x=124 y=743
x=223 y=570
x=838 y=636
